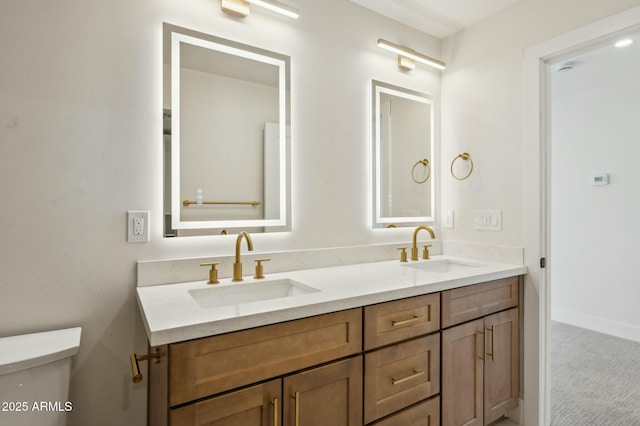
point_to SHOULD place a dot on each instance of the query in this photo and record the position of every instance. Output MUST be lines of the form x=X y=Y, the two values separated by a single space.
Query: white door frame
x=536 y=202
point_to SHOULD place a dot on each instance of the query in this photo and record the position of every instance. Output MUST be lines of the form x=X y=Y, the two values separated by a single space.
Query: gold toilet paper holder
x=135 y=368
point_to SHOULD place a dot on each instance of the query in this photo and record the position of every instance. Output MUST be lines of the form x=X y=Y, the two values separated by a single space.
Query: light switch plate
x=448 y=221
x=599 y=180
x=137 y=227
x=488 y=220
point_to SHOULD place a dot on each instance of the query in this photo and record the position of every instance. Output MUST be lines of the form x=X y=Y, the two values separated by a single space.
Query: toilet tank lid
x=31 y=350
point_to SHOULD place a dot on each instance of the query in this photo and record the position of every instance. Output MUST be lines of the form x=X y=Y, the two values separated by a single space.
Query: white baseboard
x=601 y=325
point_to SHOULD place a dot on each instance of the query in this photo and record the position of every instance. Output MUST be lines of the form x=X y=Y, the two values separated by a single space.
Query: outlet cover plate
x=137 y=226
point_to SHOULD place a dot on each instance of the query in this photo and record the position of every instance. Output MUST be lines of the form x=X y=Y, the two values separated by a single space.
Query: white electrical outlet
x=137 y=227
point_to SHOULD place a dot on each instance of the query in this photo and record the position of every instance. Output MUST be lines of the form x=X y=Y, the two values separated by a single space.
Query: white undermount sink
x=217 y=296
x=443 y=266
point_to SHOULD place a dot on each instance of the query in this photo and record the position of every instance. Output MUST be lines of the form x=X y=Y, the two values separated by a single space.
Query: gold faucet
x=237 y=265
x=414 y=247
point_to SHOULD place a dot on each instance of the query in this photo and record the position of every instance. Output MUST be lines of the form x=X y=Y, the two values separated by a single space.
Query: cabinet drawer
x=475 y=301
x=215 y=364
x=426 y=413
x=256 y=406
x=401 y=375
x=398 y=320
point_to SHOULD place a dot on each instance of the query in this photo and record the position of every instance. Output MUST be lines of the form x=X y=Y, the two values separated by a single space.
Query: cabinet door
x=462 y=374
x=328 y=395
x=255 y=406
x=502 y=370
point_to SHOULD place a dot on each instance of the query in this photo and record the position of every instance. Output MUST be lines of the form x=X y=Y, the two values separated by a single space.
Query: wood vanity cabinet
x=480 y=357
x=407 y=362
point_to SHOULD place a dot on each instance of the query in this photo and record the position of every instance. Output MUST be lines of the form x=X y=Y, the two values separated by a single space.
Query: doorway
x=593 y=127
x=593 y=175
x=538 y=189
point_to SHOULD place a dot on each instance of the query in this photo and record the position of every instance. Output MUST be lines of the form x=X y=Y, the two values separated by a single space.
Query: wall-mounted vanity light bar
x=407 y=57
x=241 y=7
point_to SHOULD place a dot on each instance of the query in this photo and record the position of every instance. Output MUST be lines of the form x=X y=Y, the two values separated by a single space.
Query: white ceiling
x=440 y=18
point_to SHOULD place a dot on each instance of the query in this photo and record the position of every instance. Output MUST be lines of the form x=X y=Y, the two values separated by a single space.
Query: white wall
x=81 y=143
x=482 y=107
x=595 y=229
x=482 y=92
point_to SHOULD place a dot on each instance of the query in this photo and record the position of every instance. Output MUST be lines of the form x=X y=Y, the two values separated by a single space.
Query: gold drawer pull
x=275 y=411
x=296 y=397
x=409 y=377
x=407 y=321
x=492 y=341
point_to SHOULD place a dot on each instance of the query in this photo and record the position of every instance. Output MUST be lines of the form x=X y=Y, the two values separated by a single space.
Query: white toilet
x=34 y=377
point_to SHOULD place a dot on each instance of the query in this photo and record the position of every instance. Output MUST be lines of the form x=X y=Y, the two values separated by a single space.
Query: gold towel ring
x=425 y=163
x=465 y=156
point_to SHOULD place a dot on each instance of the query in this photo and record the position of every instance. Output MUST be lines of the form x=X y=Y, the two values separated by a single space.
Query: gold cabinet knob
x=259 y=268
x=213 y=273
x=403 y=254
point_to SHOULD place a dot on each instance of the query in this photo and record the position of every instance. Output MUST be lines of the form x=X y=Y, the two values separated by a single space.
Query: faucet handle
x=425 y=251
x=213 y=273
x=403 y=254
x=259 y=268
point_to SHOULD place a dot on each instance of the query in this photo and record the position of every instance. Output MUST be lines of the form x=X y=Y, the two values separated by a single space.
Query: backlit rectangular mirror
x=402 y=156
x=226 y=129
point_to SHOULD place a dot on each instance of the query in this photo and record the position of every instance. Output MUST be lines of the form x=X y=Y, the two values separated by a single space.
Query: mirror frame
x=377 y=219
x=181 y=35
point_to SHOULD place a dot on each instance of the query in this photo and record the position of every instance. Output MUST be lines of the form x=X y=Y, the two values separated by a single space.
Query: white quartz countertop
x=171 y=314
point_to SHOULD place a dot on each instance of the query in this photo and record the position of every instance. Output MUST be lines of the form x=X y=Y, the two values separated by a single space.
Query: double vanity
x=426 y=342
x=354 y=339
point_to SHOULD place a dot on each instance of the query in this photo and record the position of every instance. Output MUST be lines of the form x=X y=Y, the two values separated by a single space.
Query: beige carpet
x=595 y=378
